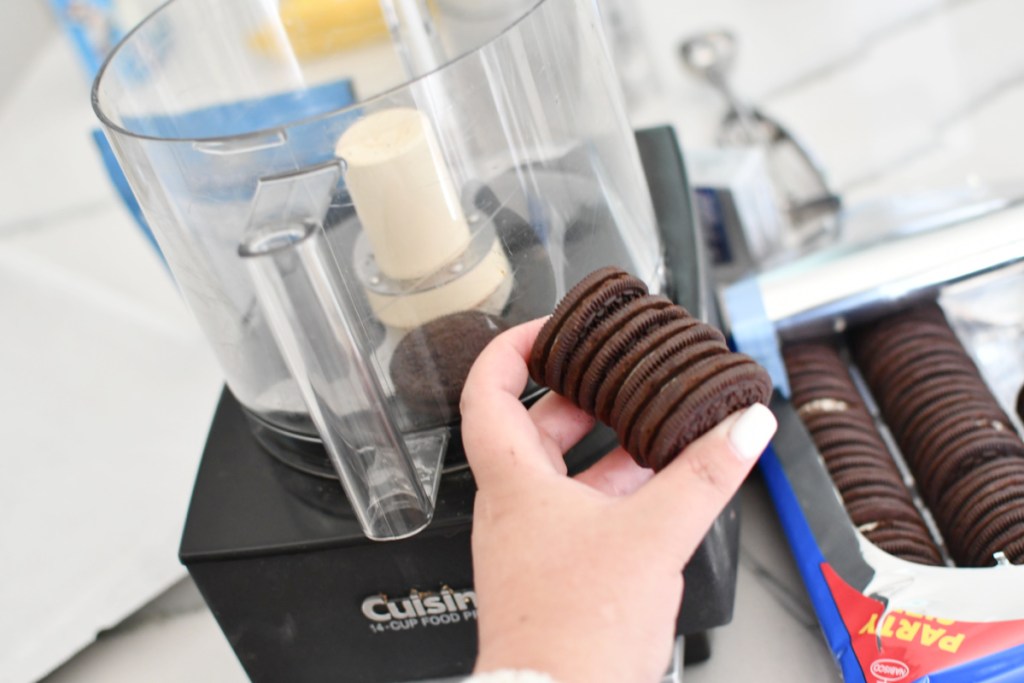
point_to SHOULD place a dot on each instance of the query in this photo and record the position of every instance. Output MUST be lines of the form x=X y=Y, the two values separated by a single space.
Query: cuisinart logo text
x=420 y=609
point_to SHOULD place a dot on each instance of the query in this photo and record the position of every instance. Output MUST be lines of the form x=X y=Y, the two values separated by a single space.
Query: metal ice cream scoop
x=798 y=175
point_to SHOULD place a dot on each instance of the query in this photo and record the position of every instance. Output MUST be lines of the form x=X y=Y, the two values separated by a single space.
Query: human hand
x=581 y=578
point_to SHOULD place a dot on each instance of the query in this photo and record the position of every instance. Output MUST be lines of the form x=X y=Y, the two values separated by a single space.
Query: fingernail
x=750 y=434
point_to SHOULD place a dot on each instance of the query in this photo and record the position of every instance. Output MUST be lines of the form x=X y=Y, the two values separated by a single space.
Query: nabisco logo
x=889 y=670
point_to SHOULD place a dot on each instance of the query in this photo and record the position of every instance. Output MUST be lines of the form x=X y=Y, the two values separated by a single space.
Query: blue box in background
x=96 y=26
x=92 y=27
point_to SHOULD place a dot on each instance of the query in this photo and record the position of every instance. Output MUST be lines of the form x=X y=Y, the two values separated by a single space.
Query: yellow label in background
x=316 y=28
x=910 y=627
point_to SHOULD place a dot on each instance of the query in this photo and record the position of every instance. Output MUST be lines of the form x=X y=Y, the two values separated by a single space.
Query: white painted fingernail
x=751 y=432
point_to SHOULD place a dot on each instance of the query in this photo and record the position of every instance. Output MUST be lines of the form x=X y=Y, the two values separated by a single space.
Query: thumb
x=685 y=498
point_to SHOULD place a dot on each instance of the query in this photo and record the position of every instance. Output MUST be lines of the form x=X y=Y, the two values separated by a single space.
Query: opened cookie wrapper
x=887 y=619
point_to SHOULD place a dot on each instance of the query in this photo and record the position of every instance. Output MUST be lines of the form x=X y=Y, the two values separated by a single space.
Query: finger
x=683 y=500
x=561 y=423
x=499 y=436
x=616 y=474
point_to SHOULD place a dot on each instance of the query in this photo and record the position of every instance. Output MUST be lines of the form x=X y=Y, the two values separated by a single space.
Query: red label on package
x=896 y=645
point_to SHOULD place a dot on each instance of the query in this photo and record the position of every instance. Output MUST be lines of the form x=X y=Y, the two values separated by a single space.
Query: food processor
x=354 y=199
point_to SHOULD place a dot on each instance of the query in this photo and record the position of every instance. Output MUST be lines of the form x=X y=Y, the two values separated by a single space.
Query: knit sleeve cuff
x=511 y=676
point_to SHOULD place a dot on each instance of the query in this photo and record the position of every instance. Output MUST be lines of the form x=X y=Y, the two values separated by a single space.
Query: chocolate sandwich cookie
x=811 y=373
x=974 y=488
x=929 y=420
x=725 y=389
x=818 y=381
x=820 y=349
x=993 y=499
x=923 y=316
x=896 y=531
x=911 y=374
x=939 y=470
x=903 y=400
x=915 y=400
x=827 y=406
x=884 y=367
x=886 y=345
x=822 y=384
x=919 y=429
x=977 y=515
x=833 y=437
x=925 y=350
x=966 y=422
x=871 y=482
x=869 y=491
x=882 y=472
x=617 y=352
x=840 y=455
x=913 y=548
x=817 y=371
x=857 y=458
x=1014 y=551
x=862 y=457
x=808 y=368
x=852 y=464
x=823 y=421
x=873 y=352
x=823 y=389
x=882 y=511
x=650 y=380
x=872 y=514
x=889 y=530
x=663 y=363
x=1001 y=529
x=597 y=296
x=968 y=462
x=429 y=365
x=875 y=338
x=1011 y=537
x=805 y=369
x=581 y=360
x=607 y=386
x=652 y=314
x=845 y=455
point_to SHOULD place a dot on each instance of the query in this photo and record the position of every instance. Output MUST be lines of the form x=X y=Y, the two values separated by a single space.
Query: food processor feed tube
x=391 y=484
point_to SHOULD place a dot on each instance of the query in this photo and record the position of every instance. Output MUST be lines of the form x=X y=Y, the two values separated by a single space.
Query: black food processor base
x=301 y=595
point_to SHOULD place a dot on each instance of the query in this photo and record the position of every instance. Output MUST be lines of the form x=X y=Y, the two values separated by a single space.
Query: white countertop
x=893 y=98
x=108 y=386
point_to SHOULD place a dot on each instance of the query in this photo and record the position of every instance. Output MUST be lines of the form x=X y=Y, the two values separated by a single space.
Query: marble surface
x=894 y=98
x=175 y=638
x=108 y=386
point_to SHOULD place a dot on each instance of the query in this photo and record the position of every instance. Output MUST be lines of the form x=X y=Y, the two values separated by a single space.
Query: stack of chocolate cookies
x=966 y=457
x=872 y=489
x=642 y=365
